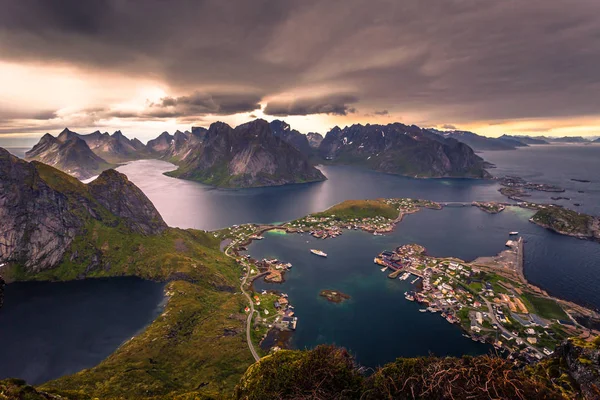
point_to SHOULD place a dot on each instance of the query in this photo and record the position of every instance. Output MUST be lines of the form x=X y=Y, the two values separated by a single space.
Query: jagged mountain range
x=202 y=156
x=68 y=153
x=249 y=155
x=401 y=149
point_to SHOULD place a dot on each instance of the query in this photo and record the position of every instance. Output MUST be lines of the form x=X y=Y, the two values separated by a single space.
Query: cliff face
x=68 y=153
x=282 y=130
x=122 y=198
x=583 y=365
x=180 y=145
x=314 y=139
x=42 y=210
x=401 y=149
x=247 y=156
x=115 y=148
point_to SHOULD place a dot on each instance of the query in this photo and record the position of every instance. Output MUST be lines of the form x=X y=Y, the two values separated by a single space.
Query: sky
x=493 y=67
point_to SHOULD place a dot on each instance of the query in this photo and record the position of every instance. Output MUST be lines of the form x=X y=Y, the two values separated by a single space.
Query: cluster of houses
x=329 y=226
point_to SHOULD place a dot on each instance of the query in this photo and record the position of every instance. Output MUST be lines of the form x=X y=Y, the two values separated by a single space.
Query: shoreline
x=341 y=225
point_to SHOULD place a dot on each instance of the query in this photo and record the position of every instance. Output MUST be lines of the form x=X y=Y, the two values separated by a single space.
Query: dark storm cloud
x=204 y=103
x=457 y=60
x=382 y=112
x=336 y=105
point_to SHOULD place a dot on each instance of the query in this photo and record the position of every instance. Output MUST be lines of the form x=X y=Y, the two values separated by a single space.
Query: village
x=488 y=298
x=490 y=308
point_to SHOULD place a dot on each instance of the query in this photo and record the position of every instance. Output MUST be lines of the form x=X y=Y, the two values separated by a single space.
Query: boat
x=513 y=233
x=318 y=253
x=255 y=237
x=423 y=310
x=383 y=269
x=409 y=296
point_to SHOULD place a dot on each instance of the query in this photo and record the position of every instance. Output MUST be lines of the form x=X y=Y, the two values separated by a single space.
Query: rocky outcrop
x=42 y=210
x=282 y=130
x=68 y=153
x=248 y=156
x=401 y=149
x=122 y=198
x=314 y=139
x=567 y=222
x=582 y=361
x=2 y=284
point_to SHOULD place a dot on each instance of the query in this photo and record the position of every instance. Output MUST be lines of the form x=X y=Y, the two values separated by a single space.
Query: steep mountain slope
x=43 y=210
x=477 y=142
x=180 y=144
x=161 y=143
x=247 y=156
x=282 y=130
x=401 y=149
x=314 y=139
x=68 y=153
x=115 y=148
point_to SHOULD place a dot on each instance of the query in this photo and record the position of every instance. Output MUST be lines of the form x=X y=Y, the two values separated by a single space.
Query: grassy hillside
x=360 y=209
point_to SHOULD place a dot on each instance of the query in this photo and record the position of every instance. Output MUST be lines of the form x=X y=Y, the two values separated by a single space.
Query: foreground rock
x=247 y=156
x=43 y=210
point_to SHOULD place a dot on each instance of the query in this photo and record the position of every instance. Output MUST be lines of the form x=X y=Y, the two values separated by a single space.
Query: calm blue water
x=378 y=324
x=188 y=204
x=556 y=165
x=48 y=330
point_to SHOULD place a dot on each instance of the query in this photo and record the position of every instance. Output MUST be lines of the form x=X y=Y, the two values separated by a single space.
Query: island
x=490 y=207
x=516 y=188
x=334 y=296
x=567 y=222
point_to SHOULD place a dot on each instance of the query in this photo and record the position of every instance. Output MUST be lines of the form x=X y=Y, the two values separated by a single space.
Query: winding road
x=251 y=314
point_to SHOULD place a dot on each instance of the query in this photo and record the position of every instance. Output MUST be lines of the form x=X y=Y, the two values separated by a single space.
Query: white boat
x=423 y=310
x=318 y=253
x=383 y=269
x=256 y=237
x=513 y=233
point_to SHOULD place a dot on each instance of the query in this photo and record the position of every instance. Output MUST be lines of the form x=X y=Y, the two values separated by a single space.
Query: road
x=251 y=314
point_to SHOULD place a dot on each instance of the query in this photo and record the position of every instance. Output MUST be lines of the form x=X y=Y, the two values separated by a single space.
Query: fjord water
x=48 y=330
x=377 y=324
x=188 y=204
x=556 y=164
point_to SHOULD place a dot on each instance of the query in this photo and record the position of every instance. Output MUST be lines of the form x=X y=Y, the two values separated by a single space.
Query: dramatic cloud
x=448 y=126
x=469 y=62
x=336 y=105
x=204 y=103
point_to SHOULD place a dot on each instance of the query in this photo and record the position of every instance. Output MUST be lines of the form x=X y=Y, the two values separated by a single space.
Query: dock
x=395 y=274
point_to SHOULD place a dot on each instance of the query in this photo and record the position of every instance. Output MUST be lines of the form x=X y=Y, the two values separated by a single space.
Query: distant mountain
x=44 y=211
x=401 y=149
x=596 y=141
x=161 y=144
x=248 y=156
x=182 y=144
x=282 y=130
x=524 y=140
x=568 y=139
x=69 y=153
x=553 y=139
x=314 y=139
x=478 y=142
x=115 y=148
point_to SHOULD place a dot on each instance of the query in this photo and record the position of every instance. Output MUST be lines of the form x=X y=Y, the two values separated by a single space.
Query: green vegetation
x=359 y=209
x=567 y=222
x=328 y=372
x=545 y=308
